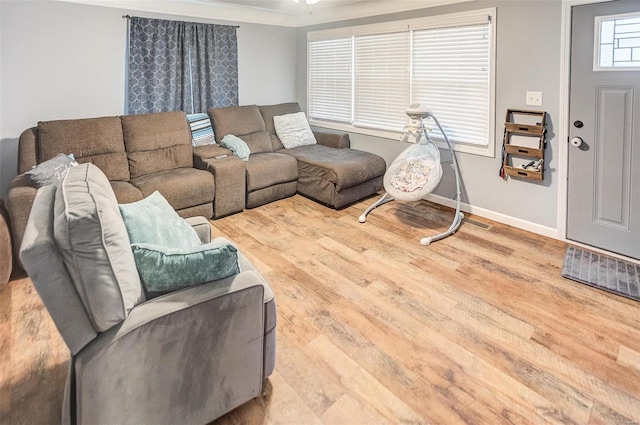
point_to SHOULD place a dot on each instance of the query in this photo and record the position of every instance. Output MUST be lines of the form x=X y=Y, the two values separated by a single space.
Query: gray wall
x=64 y=60
x=528 y=58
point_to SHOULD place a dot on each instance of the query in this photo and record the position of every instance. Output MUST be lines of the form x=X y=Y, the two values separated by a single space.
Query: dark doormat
x=601 y=271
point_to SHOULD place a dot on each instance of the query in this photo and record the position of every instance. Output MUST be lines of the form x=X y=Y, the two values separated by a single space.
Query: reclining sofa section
x=329 y=172
x=139 y=154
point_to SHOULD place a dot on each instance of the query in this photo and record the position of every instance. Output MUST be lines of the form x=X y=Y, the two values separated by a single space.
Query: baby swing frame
x=457 y=219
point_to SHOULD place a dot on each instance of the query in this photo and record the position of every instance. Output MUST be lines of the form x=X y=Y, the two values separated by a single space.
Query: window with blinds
x=381 y=80
x=330 y=79
x=366 y=76
x=451 y=75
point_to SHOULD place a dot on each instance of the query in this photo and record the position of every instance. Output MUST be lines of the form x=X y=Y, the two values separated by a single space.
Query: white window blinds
x=330 y=79
x=382 y=80
x=451 y=75
x=364 y=77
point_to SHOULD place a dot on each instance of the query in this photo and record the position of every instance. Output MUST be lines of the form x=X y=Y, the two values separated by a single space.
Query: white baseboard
x=496 y=216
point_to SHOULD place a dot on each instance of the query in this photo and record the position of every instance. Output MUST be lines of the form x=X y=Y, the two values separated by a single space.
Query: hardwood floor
x=478 y=328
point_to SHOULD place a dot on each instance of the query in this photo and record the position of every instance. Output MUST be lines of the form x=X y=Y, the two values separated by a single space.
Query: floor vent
x=483 y=226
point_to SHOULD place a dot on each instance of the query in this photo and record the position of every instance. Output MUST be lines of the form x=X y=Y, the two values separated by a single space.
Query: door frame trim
x=563 y=133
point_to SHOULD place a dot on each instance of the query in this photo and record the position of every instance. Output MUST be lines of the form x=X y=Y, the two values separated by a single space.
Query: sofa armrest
x=332 y=138
x=201 y=226
x=205 y=152
x=189 y=356
x=230 y=183
x=20 y=197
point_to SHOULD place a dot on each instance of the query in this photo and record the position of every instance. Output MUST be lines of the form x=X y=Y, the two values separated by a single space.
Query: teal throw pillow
x=237 y=146
x=154 y=221
x=163 y=270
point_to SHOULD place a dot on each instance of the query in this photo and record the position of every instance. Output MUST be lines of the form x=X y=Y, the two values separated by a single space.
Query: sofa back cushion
x=157 y=142
x=95 y=246
x=95 y=140
x=270 y=111
x=42 y=261
x=243 y=121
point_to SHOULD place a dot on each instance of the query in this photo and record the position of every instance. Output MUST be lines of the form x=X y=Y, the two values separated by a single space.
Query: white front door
x=603 y=192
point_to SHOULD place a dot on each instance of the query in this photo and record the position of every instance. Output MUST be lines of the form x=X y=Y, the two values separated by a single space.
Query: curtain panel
x=181 y=66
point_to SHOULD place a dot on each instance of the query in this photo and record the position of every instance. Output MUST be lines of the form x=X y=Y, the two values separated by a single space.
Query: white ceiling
x=288 y=6
x=271 y=12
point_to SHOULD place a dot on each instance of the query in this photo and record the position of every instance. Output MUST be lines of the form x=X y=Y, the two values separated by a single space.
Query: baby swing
x=417 y=170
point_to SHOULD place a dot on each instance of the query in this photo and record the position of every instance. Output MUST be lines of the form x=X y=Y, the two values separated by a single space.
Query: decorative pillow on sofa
x=293 y=130
x=237 y=146
x=52 y=171
x=165 y=270
x=201 y=129
x=153 y=220
x=168 y=252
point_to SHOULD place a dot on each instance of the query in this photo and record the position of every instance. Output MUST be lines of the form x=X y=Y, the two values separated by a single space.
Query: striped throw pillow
x=201 y=130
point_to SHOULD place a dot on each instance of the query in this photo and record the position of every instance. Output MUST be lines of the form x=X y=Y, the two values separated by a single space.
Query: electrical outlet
x=534 y=98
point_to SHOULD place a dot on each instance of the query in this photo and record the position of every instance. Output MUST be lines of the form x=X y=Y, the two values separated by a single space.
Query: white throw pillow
x=293 y=130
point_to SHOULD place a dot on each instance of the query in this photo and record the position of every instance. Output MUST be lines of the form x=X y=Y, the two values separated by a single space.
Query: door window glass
x=617 y=43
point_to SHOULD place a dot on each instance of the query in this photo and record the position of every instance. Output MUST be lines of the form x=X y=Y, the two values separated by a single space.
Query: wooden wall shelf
x=524 y=142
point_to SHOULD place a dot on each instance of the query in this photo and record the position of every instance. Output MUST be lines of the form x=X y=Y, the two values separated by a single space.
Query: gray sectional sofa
x=143 y=153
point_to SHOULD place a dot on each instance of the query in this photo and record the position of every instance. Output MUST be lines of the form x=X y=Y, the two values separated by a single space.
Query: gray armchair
x=186 y=357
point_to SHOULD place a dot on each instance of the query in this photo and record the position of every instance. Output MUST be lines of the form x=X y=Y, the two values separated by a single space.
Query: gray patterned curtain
x=181 y=66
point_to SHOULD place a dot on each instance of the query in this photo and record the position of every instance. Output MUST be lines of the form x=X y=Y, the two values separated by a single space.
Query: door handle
x=576 y=141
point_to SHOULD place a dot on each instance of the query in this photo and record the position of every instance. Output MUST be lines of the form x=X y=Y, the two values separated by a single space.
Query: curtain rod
x=129 y=17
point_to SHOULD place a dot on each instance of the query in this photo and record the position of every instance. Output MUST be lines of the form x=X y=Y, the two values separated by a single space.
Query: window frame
x=445 y=20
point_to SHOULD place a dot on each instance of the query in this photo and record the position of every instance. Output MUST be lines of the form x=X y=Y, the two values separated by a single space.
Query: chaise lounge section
x=329 y=171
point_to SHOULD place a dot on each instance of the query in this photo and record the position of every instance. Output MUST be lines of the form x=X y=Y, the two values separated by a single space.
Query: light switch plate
x=534 y=98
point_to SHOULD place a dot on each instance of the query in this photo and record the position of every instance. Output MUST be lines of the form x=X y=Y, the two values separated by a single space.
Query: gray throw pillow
x=52 y=171
x=153 y=220
x=165 y=270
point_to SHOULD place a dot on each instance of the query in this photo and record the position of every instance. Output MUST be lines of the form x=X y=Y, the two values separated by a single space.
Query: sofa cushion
x=270 y=111
x=244 y=122
x=153 y=221
x=126 y=192
x=268 y=169
x=293 y=130
x=51 y=171
x=157 y=142
x=164 y=269
x=342 y=167
x=95 y=140
x=95 y=247
x=182 y=187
